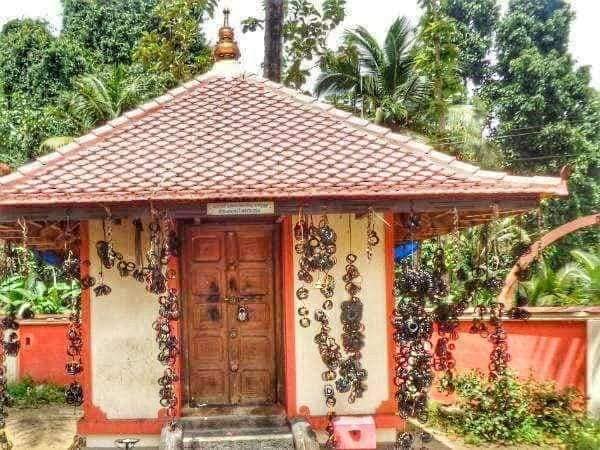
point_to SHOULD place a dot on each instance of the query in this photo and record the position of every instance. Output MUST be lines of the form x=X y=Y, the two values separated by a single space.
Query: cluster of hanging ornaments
x=155 y=275
x=316 y=247
x=72 y=265
x=417 y=289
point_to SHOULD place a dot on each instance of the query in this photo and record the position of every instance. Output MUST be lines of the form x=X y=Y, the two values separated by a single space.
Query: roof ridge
x=420 y=148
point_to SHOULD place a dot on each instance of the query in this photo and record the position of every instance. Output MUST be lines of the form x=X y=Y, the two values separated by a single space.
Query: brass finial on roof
x=227 y=47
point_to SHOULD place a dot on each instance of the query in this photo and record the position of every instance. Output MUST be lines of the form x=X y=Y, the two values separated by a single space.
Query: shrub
x=29 y=394
x=586 y=436
x=511 y=411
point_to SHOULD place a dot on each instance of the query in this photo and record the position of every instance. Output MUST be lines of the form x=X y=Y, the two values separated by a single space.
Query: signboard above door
x=240 y=209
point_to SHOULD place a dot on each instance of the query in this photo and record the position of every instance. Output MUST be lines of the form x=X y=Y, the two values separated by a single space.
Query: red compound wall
x=43 y=349
x=548 y=350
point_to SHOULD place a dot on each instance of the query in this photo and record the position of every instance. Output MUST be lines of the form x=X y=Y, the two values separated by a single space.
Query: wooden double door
x=230 y=314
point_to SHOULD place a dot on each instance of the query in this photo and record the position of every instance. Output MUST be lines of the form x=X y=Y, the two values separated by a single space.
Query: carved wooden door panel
x=228 y=268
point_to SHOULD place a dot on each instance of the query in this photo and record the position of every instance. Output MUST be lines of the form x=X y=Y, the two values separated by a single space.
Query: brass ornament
x=226 y=48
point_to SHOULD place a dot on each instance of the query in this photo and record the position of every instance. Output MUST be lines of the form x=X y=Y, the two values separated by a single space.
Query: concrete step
x=233 y=422
x=236 y=429
x=254 y=441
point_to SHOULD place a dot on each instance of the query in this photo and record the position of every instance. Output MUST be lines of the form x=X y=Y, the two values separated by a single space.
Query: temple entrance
x=230 y=314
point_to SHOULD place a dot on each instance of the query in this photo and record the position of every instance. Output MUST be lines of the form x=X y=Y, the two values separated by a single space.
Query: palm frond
x=55 y=142
x=397 y=48
x=371 y=55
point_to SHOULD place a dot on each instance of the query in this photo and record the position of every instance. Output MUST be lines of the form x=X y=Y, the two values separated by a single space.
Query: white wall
x=124 y=365
x=309 y=366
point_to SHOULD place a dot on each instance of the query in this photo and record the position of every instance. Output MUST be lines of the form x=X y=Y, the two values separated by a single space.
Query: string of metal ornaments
x=316 y=247
x=9 y=326
x=74 y=391
x=353 y=375
x=415 y=289
x=484 y=279
x=163 y=246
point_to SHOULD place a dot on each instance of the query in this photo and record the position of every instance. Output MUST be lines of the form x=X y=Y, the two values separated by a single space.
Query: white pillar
x=593 y=367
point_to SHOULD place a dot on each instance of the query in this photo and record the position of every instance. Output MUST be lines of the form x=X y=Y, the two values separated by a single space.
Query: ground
x=47 y=428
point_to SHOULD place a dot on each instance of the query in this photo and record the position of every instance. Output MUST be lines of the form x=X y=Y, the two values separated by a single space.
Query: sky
x=375 y=15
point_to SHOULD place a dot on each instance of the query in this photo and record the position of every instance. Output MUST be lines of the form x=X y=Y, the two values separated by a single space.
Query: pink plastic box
x=355 y=432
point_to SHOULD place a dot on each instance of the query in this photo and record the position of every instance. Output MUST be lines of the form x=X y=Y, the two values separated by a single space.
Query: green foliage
x=465 y=138
x=476 y=22
x=28 y=283
x=584 y=437
x=35 y=63
x=23 y=126
x=541 y=24
x=20 y=292
x=305 y=32
x=575 y=283
x=109 y=28
x=381 y=79
x=175 y=44
x=437 y=58
x=545 y=113
x=29 y=394
x=478 y=254
x=511 y=411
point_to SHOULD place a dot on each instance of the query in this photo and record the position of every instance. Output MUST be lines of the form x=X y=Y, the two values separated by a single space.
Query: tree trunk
x=273 y=39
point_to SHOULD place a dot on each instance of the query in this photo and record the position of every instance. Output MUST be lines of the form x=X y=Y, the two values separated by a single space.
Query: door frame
x=279 y=310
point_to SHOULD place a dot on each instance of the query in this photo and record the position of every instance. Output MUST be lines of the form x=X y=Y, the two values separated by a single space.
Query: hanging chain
x=316 y=247
x=74 y=395
x=372 y=237
x=5 y=398
x=352 y=374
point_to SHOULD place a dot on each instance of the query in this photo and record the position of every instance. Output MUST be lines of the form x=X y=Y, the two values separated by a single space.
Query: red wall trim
x=388 y=406
x=289 y=313
x=94 y=420
x=86 y=351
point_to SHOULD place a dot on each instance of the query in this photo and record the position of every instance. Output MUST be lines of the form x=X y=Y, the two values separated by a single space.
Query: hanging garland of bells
x=156 y=273
x=316 y=246
x=422 y=308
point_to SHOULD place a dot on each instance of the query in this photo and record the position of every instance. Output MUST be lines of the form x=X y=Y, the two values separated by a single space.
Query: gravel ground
x=47 y=428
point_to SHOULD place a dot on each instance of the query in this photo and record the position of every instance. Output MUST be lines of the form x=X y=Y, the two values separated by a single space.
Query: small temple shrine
x=234 y=240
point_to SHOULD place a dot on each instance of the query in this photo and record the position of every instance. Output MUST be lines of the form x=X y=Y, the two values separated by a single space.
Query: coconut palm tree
x=381 y=78
x=106 y=97
x=97 y=98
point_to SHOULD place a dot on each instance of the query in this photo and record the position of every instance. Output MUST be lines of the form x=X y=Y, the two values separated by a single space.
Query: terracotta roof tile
x=220 y=138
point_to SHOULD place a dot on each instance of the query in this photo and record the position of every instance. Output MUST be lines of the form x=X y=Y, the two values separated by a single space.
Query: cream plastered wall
x=351 y=236
x=124 y=365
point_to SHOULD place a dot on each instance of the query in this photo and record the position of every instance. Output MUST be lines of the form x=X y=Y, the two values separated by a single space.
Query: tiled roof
x=240 y=137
